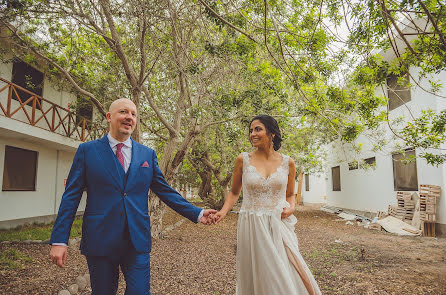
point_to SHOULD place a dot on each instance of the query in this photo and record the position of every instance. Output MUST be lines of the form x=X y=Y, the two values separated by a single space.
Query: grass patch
x=37 y=232
x=11 y=259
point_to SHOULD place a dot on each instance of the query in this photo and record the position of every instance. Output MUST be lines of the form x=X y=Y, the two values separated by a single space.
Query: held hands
x=212 y=217
x=58 y=255
x=207 y=217
x=218 y=217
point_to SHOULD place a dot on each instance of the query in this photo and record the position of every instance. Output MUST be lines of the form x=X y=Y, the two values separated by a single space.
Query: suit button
x=124 y=195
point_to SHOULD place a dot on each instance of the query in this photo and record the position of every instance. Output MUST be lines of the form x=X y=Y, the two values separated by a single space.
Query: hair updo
x=271 y=127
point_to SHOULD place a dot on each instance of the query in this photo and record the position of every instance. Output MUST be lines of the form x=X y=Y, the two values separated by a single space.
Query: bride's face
x=258 y=135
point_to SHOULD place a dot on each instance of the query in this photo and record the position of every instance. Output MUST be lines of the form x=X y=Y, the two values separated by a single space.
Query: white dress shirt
x=127 y=153
x=126 y=150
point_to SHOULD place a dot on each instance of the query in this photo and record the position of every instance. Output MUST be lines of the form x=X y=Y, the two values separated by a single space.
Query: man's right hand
x=59 y=254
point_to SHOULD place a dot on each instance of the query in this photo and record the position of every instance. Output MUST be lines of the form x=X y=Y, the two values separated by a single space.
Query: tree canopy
x=198 y=70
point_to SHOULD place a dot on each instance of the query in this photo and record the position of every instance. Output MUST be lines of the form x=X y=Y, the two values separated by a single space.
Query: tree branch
x=400 y=33
x=156 y=132
x=429 y=15
x=152 y=104
x=119 y=50
x=226 y=22
x=142 y=50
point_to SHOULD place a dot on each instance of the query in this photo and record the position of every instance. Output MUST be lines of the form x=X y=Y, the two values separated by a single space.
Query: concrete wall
x=52 y=168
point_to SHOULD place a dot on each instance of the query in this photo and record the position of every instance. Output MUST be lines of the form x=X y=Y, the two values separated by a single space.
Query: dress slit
x=300 y=269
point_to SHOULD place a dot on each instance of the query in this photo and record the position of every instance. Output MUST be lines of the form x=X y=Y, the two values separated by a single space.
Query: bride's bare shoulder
x=239 y=159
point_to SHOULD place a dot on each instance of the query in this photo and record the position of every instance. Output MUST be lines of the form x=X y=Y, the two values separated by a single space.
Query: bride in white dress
x=268 y=257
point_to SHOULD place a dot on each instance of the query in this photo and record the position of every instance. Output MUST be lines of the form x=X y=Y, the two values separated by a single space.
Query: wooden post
x=53 y=118
x=8 y=106
x=33 y=117
x=83 y=130
x=299 y=189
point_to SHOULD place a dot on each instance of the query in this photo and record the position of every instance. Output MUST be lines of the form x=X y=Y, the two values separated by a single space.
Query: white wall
x=52 y=168
x=317 y=193
x=369 y=189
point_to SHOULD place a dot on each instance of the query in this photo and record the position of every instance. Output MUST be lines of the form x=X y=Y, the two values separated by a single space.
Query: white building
x=38 y=139
x=313 y=191
x=350 y=186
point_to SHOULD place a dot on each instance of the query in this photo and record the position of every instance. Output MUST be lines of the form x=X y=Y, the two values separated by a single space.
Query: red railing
x=51 y=116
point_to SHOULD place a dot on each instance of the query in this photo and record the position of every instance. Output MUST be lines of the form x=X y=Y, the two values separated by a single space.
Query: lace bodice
x=260 y=194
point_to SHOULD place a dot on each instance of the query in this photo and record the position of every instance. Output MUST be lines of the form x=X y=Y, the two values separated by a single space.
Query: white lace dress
x=268 y=258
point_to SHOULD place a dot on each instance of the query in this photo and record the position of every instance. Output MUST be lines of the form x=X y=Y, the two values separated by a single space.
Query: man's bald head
x=122 y=116
x=118 y=102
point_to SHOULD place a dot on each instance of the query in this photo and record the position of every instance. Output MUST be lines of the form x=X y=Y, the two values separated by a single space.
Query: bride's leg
x=300 y=270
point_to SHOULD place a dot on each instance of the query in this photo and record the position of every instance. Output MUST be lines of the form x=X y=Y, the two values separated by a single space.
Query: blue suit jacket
x=110 y=200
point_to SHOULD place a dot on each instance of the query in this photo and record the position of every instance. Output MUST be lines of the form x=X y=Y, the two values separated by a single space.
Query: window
x=336 y=178
x=353 y=165
x=13 y=4
x=307 y=182
x=29 y=78
x=398 y=93
x=84 y=109
x=371 y=162
x=405 y=173
x=20 y=169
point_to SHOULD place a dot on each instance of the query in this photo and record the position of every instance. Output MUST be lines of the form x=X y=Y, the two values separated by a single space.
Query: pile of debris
x=414 y=213
x=348 y=216
x=405 y=208
x=429 y=195
x=418 y=210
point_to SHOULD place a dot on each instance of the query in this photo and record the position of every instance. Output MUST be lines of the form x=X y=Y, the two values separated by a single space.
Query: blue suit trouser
x=104 y=271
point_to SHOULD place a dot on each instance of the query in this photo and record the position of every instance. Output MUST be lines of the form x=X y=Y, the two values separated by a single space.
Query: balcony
x=22 y=105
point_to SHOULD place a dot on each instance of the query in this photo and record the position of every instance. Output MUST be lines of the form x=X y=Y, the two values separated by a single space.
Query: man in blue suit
x=117 y=173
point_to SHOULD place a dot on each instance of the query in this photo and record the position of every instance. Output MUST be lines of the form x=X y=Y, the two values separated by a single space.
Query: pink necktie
x=119 y=154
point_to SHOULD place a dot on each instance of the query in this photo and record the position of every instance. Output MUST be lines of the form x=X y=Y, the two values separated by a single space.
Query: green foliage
x=12 y=259
x=37 y=232
x=427 y=132
x=320 y=86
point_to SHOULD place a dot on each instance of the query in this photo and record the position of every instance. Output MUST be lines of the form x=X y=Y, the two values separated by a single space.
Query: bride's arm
x=234 y=193
x=290 y=190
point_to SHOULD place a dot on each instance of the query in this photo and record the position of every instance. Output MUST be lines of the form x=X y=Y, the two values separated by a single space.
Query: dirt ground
x=195 y=259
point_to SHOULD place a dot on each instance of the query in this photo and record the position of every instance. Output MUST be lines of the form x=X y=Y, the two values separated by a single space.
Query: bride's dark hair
x=271 y=127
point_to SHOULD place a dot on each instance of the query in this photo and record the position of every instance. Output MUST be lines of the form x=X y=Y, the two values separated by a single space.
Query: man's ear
x=108 y=116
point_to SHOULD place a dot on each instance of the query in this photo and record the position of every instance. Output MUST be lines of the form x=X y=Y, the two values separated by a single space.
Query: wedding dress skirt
x=268 y=257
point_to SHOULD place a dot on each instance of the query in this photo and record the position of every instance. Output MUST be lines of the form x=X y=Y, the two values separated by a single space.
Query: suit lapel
x=108 y=159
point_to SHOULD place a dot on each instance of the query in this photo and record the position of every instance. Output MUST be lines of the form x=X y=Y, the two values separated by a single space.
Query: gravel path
x=195 y=259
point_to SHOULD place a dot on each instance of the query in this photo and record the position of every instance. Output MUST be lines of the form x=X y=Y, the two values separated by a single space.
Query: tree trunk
x=205 y=189
x=156 y=207
x=299 y=189
x=136 y=98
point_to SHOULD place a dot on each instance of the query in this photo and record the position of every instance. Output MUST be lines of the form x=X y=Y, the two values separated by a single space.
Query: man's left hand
x=207 y=216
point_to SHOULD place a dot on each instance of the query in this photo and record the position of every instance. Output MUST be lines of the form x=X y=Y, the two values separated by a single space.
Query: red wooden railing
x=58 y=119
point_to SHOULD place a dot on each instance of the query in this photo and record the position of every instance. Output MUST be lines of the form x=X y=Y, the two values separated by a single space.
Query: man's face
x=122 y=118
